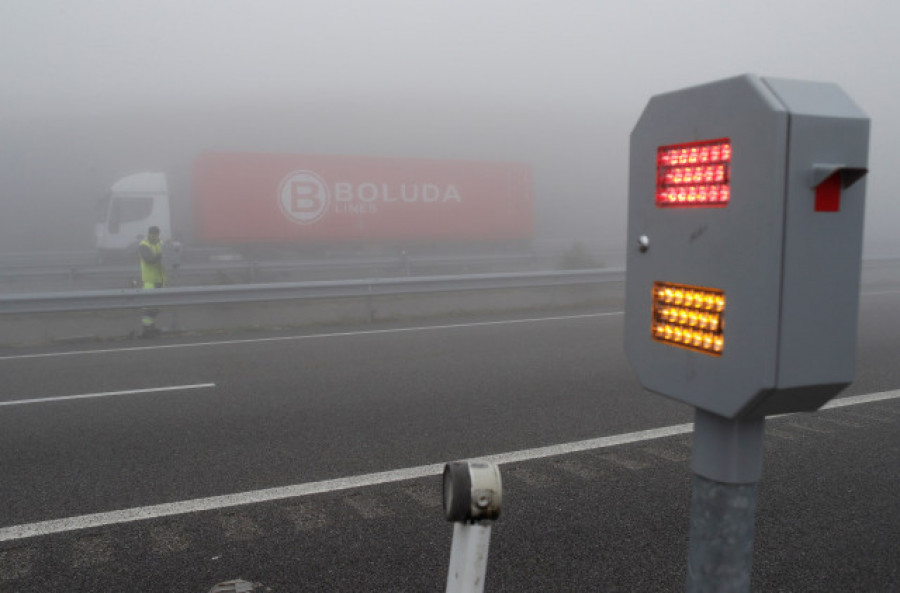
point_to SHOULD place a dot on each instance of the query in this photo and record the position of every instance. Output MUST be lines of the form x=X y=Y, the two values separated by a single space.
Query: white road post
x=468 y=557
x=472 y=497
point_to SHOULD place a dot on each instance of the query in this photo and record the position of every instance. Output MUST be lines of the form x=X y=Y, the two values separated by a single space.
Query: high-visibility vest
x=153 y=274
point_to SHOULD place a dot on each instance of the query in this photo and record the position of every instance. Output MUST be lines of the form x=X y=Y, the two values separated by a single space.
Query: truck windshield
x=102 y=210
x=129 y=210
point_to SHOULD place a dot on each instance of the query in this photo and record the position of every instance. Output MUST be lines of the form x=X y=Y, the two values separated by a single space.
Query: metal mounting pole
x=727 y=461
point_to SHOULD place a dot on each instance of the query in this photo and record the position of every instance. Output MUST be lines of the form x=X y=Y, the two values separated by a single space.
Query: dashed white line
x=369 y=332
x=43 y=400
x=17 y=532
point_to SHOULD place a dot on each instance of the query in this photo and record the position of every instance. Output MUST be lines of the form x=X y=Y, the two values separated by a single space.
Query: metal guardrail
x=84 y=265
x=93 y=270
x=87 y=266
x=47 y=258
x=398 y=264
x=98 y=300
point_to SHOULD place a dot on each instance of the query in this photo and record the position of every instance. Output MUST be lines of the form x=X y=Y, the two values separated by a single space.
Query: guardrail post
x=370 y=303
x=405 y=264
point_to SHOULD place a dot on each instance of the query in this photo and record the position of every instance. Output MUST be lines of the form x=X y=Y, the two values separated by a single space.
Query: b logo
x=304 y=197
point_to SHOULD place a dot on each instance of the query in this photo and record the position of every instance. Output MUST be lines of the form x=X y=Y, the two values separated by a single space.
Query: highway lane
x=301 y=409
x=315 y=407
x=610 y=519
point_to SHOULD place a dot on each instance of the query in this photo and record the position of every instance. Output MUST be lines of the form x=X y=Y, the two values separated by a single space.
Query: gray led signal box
x=745 y=218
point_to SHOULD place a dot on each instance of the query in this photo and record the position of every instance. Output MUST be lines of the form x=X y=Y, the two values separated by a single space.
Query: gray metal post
x=727 y=461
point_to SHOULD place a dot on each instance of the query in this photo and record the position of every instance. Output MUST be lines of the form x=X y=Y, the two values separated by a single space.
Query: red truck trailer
x=264 y=199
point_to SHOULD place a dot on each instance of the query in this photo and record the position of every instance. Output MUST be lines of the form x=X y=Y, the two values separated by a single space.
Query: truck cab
x=132 y=205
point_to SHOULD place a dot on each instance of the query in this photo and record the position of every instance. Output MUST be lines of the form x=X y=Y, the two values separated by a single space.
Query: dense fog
x=98 y=89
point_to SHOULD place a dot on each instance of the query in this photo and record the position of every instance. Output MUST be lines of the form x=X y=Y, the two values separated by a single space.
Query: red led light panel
x=694 y=175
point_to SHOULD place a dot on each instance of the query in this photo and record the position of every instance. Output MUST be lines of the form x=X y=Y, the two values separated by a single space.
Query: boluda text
x=362 y=198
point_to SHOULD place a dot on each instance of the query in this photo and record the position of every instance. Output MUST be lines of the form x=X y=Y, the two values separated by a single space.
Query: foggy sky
x=96 y=89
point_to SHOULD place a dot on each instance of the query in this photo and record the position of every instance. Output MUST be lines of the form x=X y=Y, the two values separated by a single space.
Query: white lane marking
x=16 y=532
x=880 y=292
x=21 y=402
x=861 y=399
x=314 y=336
x=212 y=503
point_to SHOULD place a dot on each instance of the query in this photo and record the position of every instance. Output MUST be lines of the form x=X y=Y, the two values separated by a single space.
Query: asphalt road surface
x=310 y=462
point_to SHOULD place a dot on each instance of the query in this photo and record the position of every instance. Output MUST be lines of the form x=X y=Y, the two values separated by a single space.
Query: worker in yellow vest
x=153 y=275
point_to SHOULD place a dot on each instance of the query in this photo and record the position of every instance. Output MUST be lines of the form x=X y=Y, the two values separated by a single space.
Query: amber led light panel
x=690 y=317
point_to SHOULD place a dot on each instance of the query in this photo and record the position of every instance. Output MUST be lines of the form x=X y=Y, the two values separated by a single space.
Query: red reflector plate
x=828 y=194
